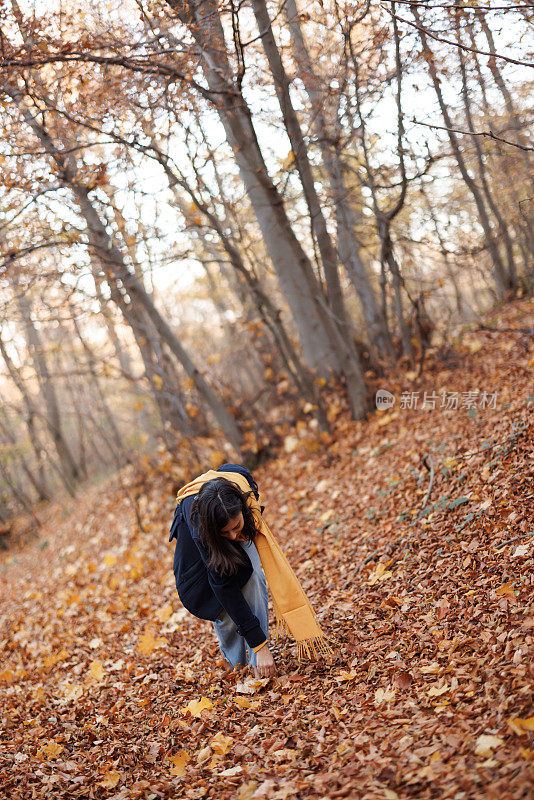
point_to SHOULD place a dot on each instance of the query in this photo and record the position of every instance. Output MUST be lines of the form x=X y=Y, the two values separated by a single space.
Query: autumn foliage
x=109 y=689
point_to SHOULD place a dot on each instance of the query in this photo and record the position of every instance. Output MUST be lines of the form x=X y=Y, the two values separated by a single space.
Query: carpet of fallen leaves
x=109 y=689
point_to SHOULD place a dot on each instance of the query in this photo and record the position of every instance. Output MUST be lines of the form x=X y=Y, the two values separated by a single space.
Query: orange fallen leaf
x=506 y=588
x=49 y=751
x=221 y=744
x=6 y=676
x=344 y=675
x=196 y=707
x=179 y=762
x=242 y=702
x=148 y=643
x=380 y=574
x=111 y=779
x=520 y=726
x=164 y=613
x=251 y=685
x=52 y=660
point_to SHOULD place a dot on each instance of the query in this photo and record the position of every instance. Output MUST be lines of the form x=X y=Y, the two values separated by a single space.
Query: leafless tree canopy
x=214 y=214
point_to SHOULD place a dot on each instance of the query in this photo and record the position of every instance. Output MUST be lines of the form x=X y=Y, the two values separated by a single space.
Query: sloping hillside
x=422 y=576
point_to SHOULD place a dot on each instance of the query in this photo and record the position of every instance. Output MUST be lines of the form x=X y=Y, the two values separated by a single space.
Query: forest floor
x=429 y=607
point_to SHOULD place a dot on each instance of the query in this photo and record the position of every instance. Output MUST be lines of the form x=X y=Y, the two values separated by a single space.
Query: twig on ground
x=528 y=331
x=429 y=464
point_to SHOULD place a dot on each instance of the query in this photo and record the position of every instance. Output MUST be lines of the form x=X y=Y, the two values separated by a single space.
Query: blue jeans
x=233 y=646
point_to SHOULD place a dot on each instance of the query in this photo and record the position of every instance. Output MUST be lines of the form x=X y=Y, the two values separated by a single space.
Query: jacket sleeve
x=228 y=592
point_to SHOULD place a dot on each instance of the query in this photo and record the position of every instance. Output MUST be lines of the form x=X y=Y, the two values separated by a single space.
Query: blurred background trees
x=219 y=219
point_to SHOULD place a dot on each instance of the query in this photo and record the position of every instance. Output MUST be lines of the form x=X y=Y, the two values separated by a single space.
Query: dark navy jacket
x=202 y=591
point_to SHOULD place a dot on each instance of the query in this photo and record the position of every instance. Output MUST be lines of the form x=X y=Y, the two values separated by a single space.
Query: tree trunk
x=499 y=272
x=36 y=480
x=269 y=313
x=47 y=390
x=31 y=415
x=91 y=366
x=348 y=245
x=512 y=273
x=292 y=265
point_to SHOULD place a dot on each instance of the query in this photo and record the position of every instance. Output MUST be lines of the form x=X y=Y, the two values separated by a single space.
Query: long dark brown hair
x=218 y=502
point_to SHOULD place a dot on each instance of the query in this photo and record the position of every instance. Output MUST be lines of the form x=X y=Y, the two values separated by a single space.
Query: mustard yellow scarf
x=294 y=614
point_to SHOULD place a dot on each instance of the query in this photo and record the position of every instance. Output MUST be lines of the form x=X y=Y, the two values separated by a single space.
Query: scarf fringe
x=281 y=628
x=314 y=648
x=308 y=649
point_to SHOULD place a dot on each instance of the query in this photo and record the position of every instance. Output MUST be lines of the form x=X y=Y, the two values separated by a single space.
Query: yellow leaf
x=147 y=643
x=50 y=750
x=327 y=515
x=196 y=707
x=164 y=613
x=192 y=411
x=6 y=676
x=96 y=671
x=242 y=702
x=179 y=763
x=111 y=779
x=346 y=676
x=527 y=753
x=411 y=375
x=251 y=685
x=380 y=574
x=110 y=560
x=51 y=661
x=158 y=382
x=506 y=588
x=221 y=744
x=519 y=725
x=486 y=743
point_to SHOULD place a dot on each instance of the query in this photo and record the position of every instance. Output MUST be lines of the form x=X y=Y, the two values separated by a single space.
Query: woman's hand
x=265 y=663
